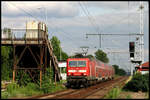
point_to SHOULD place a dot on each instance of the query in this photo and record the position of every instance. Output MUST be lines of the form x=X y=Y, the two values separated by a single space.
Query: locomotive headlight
x=84 y=73
x=82 y=70
x=71 y=70
x=69 y=73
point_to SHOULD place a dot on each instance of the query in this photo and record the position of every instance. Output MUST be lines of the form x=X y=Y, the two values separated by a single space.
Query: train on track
x=86 y=72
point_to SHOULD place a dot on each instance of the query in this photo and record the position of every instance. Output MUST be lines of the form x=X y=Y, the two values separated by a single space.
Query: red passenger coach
x=87 y=71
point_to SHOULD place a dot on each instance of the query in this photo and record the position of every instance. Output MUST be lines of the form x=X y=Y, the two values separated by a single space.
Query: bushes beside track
x=139 y=82
x=14 y=90
x=30 y=89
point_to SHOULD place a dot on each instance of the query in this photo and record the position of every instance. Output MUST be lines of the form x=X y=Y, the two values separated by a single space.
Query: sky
x=70 y=21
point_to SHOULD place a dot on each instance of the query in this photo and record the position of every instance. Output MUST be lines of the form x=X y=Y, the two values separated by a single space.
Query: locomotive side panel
x=92 y=70
x=99 y=71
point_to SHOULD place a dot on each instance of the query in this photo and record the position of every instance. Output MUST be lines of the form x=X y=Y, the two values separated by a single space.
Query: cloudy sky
x=71 y=21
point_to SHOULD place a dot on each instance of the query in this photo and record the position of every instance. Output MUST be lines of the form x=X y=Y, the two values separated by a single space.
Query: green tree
x=56 y=46
x=6 y=62
x=122 y=72
x=57 y=49
x=119 y=71
x=116 y=67
x=138 y=82
x=100 y=55
x=90 y=56
x=64 y=55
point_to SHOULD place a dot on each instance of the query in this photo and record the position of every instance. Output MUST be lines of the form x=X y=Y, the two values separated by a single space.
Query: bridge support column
x=41 y=63
x=40 y=78
x=14 y=63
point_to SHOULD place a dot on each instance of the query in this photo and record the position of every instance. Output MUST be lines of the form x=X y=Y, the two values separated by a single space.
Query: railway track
x=97 y=91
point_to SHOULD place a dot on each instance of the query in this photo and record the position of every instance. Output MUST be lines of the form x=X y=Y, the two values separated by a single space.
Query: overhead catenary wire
x=87 y=13
x=67 y=34
x=24 y=11
x=90 y=20
x=38 y=20
x=92 y=17
x=61 y=30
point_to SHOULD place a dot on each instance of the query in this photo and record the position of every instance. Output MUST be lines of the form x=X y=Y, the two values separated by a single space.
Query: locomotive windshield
x=72 y=63
x=77 y=63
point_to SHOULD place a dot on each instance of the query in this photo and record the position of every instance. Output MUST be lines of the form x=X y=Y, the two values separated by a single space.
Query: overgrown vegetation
x=119 y=71
x=102 y=56
x=29 y=89
x=139 y=82
x=26 y=87
x=113 y=94
x=128 y=96
x=6 y=62
x=25 y=79
x=57 y=49
x=14 y=90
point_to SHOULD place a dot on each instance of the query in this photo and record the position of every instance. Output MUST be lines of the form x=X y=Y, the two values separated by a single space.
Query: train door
x=90 y=69
x=93 y=69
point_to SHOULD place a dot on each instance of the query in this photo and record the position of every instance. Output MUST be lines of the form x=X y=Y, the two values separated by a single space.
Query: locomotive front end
x=77 y=71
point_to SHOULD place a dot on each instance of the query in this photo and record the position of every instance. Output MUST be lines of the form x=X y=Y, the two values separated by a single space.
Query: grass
x=147 y=95
x=14 y=90
x=136 y=82
x=129 y=79
x=116 y=76
x=128 y=96
x=113 y=94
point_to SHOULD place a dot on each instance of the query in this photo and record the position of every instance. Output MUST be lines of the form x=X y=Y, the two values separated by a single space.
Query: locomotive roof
x=78 y=58
x=92 y=59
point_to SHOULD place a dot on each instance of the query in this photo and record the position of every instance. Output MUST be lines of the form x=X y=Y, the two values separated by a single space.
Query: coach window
x=73 y=63
x=82 y=63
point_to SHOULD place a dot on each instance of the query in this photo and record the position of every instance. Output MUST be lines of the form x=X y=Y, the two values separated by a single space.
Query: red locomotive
x=87 y=71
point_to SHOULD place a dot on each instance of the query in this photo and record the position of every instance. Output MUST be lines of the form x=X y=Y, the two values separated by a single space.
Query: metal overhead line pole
x=112 y=34
x=139 y=44
x=141 y=31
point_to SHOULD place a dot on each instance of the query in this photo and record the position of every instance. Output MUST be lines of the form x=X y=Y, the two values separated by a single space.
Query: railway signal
x=131 y=49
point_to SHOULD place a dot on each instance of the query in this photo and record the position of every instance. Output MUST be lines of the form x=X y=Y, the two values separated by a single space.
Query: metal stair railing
x=54 y=59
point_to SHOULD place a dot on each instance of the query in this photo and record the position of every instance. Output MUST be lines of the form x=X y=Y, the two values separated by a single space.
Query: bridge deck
x=22 y=41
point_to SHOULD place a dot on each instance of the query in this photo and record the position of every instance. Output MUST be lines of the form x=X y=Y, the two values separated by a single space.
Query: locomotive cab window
x=72 y=63
x=77 y=63
x=82 y=63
